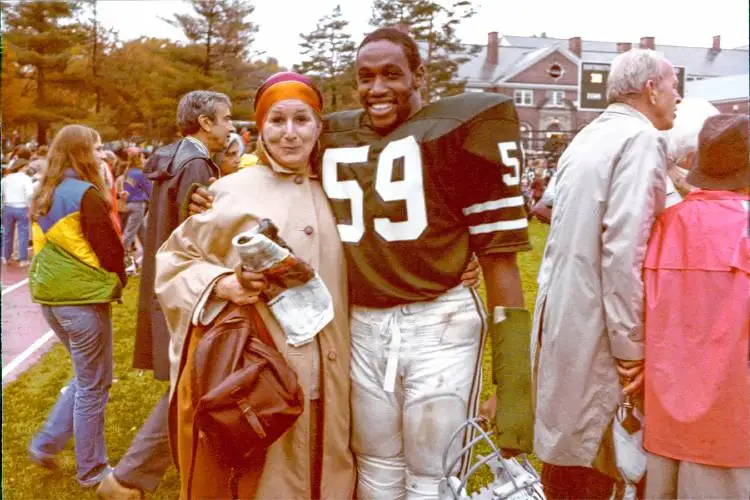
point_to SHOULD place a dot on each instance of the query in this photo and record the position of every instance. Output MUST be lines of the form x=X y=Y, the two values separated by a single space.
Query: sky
x=671 y=22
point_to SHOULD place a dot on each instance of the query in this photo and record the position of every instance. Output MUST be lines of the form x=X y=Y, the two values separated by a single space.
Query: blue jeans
x=133 y=225
x=86 y=332
x=13 y=216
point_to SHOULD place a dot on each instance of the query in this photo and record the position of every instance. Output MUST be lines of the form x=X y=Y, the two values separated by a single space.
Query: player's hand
x=631 y=376
x=470 y=276
x=509 y=452
x=487 y=411
x=242 y=287
x=124 y=195
x=201 y=200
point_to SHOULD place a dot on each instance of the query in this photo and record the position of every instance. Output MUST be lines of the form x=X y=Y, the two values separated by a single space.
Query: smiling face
x=290 y=133
x=388 y=89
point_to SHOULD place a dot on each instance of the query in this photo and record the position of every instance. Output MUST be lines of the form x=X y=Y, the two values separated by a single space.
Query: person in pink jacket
x=697 y=290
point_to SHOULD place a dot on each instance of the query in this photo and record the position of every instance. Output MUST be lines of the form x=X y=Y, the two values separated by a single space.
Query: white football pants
x=416 y=377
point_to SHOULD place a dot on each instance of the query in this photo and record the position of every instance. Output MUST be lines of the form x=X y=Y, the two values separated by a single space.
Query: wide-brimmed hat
x=723 y=161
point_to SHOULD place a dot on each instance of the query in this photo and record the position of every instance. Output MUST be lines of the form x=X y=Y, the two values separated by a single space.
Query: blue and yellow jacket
x=65 y=269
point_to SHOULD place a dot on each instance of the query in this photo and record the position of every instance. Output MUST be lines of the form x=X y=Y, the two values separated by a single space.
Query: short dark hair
x=393 y=35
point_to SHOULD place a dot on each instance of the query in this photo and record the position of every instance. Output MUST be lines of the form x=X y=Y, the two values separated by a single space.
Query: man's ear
x=205 y=123
x=418 y=77
x=651 y=91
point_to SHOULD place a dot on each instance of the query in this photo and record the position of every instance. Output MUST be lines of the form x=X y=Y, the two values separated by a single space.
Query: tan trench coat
x=199 y=252
x=589 y=309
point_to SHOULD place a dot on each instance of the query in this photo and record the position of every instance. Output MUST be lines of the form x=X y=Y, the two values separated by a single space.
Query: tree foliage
x=221 y=27
x=329 y=58
x=61 y=66
x=433 y=26
x=43 y=60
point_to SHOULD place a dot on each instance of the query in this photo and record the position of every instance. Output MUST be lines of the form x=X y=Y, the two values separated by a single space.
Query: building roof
x=514 y=51
x=723 y=88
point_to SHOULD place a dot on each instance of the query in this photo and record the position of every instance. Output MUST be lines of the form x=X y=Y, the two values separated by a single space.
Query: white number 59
x=410 y=190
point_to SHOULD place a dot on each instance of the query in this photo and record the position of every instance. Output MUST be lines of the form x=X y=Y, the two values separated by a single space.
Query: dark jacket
x=172 y=170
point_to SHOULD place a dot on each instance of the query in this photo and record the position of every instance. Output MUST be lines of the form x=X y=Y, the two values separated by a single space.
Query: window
x=557 y=98
x=524 y=97
x=526 y=136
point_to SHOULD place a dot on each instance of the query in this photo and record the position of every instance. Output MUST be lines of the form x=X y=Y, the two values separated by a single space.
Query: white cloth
x=428 y=357
x=17 y=190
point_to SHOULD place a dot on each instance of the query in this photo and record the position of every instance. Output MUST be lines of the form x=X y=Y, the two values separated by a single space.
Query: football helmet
x=513 y=479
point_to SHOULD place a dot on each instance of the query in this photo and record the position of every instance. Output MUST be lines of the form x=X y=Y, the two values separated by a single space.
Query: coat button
x=332 y=355
x=308 y=230
x=298 y=179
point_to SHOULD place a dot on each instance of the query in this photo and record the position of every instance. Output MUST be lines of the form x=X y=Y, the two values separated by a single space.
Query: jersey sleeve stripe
x=503 y=225
x=514 y=201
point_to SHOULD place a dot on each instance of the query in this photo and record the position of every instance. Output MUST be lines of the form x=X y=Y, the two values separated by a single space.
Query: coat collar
x=202 y=147
x=620 y=108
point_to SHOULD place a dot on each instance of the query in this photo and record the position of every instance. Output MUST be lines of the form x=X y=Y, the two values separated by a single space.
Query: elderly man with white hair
x=587 y=345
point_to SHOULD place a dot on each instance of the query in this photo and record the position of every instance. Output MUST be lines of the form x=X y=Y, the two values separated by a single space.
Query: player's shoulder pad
x=465 y=107
x=341 y=121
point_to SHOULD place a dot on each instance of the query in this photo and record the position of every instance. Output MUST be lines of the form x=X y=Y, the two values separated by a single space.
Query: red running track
x=25 y=336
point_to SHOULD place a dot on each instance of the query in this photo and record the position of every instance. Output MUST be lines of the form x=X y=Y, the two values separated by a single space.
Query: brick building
x=541 y=74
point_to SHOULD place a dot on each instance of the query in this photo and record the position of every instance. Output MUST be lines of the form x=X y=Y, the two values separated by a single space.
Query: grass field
x=27 y=400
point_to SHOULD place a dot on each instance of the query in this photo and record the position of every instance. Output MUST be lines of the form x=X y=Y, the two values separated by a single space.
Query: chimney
x=574 y=45
x=492 y=47
x=402 y=26
x=717 y=44
x=624 y=47
x=647 y=42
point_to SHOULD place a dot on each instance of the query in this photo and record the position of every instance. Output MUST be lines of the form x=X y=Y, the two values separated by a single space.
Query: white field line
x=15 y=286
x=28 y=352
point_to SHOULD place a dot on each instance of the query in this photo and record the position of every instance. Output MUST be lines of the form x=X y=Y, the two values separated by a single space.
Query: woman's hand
x=470 y=276
x=242 y=287
x=631 y=376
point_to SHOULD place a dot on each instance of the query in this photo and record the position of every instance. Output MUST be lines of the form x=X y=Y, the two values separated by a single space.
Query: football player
x=416 y=190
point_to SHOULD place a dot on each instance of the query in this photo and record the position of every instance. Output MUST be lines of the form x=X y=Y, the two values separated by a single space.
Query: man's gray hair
x=197 y=103
x=631 y=70
x=682 y=138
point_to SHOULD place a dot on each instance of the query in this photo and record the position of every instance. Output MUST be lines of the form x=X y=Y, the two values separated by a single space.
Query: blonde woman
x=76 y=273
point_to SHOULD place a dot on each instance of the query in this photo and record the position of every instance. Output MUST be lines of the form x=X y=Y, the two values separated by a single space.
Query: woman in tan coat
x=195 y=277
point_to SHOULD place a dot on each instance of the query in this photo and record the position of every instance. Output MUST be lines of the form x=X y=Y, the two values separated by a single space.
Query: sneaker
x=42 y=459
x=4 y=261
x=112 y=489
x=98 y=479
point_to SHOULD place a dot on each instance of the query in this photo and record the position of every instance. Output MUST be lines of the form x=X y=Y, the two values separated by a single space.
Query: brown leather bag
x=244 y=394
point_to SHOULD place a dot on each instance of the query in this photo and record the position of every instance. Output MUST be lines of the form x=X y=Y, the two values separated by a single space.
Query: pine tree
x=330 y=52
x=221 y=28
x=433 y=26
x=45 y=39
